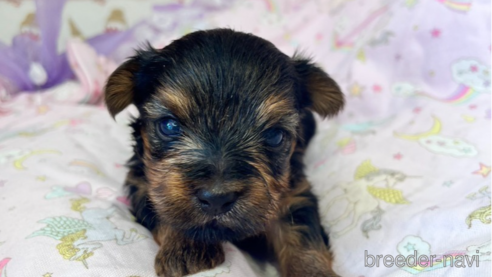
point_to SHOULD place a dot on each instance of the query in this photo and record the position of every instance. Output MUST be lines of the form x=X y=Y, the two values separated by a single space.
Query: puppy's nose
x=215 y=204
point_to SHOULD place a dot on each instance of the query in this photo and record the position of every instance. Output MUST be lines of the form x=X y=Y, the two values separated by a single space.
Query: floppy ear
x=319 y=92
x=120 y=88
x=132 y=81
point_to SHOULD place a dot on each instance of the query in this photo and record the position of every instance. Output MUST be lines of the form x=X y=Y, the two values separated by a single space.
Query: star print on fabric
x=377 y=88
x=417 y=110
x=448 y=183
x=42 y=109
x=75 y=122
x=436 y=33
x=397 y=156
x=48 y=274
x=410 y=3
x=484 y=170
x=361 y=56
x=468 y=118
x=356 y=89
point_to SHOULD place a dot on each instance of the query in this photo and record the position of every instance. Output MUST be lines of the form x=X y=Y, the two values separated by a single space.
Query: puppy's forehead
x=224 y=79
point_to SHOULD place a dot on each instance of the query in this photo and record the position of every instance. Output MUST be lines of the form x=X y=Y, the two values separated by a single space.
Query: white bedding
x=408 y=159
x=63 y=209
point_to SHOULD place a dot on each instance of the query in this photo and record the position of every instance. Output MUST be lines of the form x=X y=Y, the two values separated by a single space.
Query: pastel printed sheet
x=406 y=166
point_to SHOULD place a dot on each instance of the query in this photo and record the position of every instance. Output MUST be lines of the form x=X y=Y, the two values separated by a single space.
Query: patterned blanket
x=403 y=171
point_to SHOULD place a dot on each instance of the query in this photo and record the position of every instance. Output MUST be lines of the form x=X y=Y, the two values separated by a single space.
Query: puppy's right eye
x=169 y=127
x=274 y=137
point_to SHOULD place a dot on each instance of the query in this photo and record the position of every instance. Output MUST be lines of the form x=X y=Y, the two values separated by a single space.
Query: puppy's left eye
x=169 y=127
x=274 y=137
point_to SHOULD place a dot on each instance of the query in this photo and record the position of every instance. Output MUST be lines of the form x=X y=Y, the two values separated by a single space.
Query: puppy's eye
x=169 y=127
x=274 y=137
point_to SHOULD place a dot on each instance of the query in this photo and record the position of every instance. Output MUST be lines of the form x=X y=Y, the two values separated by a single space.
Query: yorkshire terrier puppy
x=224 y=120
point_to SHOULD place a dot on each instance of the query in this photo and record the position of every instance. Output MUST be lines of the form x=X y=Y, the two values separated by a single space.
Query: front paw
x=181 y=260
x=309 y=263
x=312 y=271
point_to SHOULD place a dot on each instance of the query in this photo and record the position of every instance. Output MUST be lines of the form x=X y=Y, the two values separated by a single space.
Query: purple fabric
x=105 y=44
x=15 y=60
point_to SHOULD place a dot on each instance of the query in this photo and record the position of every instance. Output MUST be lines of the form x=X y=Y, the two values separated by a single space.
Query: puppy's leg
x=179 y=256
x=298 y=239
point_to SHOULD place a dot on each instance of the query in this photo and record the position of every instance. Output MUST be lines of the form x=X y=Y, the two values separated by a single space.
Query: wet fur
x=225 y=88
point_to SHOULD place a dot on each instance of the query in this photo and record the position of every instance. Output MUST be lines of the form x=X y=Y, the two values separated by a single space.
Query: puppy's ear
x=120 y=88
x=132 y=81
x=319 y=92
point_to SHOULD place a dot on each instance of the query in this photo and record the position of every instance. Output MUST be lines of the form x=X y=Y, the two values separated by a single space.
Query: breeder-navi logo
x=459 y=261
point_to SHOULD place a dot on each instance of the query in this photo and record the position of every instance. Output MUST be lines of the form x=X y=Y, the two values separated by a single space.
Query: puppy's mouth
x=229 y=226
x=213 y=232
x=228 y=219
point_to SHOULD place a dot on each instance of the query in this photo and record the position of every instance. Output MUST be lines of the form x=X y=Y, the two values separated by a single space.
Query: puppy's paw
x=323 y=271
x=309 y=263
x=311 y=271
x=181 y=260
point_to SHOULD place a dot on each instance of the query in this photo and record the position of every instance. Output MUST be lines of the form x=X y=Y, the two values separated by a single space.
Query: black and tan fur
x=226 y=89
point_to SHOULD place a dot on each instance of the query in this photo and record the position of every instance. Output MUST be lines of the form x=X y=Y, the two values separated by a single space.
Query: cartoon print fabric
x=64 y=212
x=405 y=168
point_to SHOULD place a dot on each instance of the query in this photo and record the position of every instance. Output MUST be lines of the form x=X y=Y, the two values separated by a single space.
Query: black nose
x=216 y=204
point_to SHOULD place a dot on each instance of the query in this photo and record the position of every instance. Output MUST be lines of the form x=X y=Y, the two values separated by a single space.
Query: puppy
x=225 y=118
